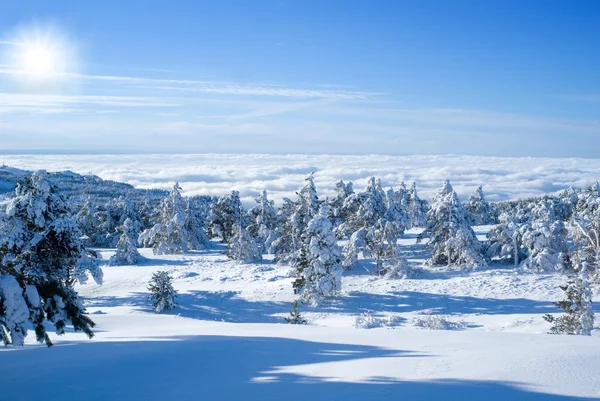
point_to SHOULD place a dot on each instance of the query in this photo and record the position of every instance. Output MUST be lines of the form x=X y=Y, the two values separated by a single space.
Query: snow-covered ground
x=282 y=175
x=227 y=340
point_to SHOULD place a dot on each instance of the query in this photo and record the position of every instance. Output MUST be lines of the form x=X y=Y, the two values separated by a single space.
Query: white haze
x=282 y=175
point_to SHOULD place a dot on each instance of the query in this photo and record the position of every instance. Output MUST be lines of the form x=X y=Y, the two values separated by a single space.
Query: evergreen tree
x=195 y=217
x=225 y=215
x=452 y=239
x=546 y=246
x=337 y=214
x=318 y=267
x=416 y=208
x=357 y=244
x=41 y=258
x=578 y=318
x=170 y=235
x=295 y=317
x=242 y=246
x=363 y=209
x=479 y=211
x=162 y=293
x=285 y=244
x=505 y=240
x=263 y=220
x=126 y=253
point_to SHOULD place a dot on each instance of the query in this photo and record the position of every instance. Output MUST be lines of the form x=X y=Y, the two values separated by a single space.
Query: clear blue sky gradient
x=506 y=78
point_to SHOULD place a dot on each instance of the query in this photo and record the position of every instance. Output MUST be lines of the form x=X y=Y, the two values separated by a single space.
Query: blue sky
x=504 y=78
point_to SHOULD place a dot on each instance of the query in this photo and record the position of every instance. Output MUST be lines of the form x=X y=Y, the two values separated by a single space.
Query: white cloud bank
x=282 y=175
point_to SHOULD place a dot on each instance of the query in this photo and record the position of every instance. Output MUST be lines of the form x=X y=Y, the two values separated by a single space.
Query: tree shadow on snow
x=233 y=368
x=412 y=301
x=224 y=306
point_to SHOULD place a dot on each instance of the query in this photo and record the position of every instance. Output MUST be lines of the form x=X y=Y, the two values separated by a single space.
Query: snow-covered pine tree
x=357 y=244
x=578 y=318
x=242 y=246
x=318 y=267
x=363 y=209
x=546 y=246
x=263 y=220
x=41 y=258
x=452 y=239
x=417 y=208
x=505 y=240
x=225 y=215
x=336 y=211
x=285 y=244
x=195 y=224
x=126 y=253
x=396 y=214
x=480 y=212
x=162 y=293
x=293 y=218
x=169 y=235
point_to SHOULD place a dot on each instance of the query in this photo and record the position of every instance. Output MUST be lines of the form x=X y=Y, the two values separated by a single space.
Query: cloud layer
x=282 y=175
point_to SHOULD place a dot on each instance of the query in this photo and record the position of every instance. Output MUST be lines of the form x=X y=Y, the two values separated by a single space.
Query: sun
x=38 y=60
x=40 y=54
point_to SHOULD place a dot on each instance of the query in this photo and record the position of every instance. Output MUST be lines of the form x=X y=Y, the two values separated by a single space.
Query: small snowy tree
x=295 y=317
x=318 y=268
x=356 y=245
x=170 y=234
x=285 y=243
x=505 y=241
x=337 y=213
x=162 y=293
x=242 y=247
x=578 y=318
x=41 y=258
x=225 y=215
x=479 y=211
x=126 y=253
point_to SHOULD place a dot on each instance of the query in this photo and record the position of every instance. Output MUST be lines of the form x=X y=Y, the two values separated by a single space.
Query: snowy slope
x=227 y=340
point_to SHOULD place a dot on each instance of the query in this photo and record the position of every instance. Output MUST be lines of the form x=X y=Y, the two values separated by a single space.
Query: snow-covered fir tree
x=170 y=234
x=505 y=241
x=416 y=208
x=396 y=214
x=479 y=210
x=545 y=245
x=41 y=257
x=263 y=220
x=337 y=214
x=363 y=209
x=318 y=266
x=225 y=215
x=285 y=244
x=162 y=293
x=242 y=247
x=356 y=245
x=126 y=252
x=293 y=219
x=452 y=240
x=196 y=215
x=578 y=317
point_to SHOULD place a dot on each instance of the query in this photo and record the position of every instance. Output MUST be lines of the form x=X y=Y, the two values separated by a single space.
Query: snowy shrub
x=162 y=293
x=399 y=268
x=366 y=320
x=437 y=322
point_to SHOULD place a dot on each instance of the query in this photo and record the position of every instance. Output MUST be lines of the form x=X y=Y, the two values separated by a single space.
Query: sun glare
x=40 y=54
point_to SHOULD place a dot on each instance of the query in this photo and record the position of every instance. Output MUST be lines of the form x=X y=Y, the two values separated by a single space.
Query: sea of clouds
x=282 y=175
